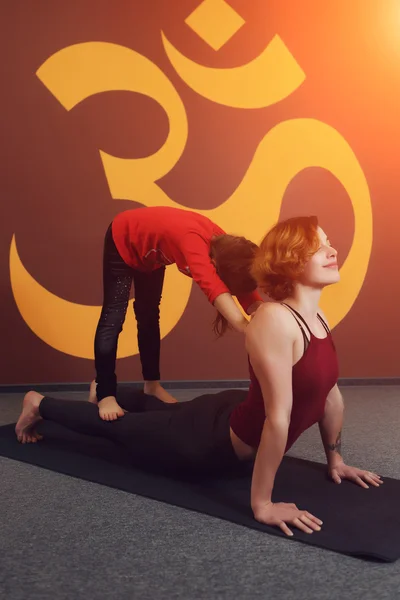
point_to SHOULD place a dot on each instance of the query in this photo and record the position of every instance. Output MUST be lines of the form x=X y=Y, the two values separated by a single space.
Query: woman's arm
x=270 y=340
x=269 y=343
x=331 y=426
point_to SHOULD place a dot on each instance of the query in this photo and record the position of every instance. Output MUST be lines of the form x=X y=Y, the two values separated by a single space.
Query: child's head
x=233 y=256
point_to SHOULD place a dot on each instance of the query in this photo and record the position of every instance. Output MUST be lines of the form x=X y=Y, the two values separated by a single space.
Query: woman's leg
x=82 y=417
x=206 y=423
x=186 y=438
x=148 y=290
x=148 y=437
x=117 y=282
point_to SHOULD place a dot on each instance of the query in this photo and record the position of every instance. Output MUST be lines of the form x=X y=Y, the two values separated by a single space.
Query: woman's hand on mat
x=281 y=513
x=363 y=478
x=109 y=409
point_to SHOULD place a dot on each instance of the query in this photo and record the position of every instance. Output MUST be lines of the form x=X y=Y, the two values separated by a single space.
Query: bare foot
x=25 y=428
x=154 y=388
x=92 y=392
x=109 y=409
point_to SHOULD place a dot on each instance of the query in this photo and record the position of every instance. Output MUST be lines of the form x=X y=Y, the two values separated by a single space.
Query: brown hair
x=233 y=257
x=283 y=254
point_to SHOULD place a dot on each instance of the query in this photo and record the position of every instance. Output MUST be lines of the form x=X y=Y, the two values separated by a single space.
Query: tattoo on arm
x=337 y=446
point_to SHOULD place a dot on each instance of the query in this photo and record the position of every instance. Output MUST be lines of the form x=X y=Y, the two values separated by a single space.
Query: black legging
x=188 y=436
x=117 y=283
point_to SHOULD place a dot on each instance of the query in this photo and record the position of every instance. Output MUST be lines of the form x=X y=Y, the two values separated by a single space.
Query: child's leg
x=117 y=281
x=136 y=401
x=151 y=439
x=148 y=290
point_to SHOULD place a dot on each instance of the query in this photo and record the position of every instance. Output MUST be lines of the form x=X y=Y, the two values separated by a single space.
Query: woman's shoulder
x=271 y=321
x=272 y=312
x=323 y=316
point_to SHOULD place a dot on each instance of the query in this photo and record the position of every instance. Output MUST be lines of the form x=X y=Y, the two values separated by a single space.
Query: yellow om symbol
x=77 y=72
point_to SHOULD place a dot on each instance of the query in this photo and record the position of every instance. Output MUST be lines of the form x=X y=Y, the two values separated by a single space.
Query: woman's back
x=313 y=376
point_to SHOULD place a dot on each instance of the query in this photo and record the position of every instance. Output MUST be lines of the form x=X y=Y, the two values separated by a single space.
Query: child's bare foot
x=109 y=409
x=154 y=388
x=25 y=428
x=92 y=392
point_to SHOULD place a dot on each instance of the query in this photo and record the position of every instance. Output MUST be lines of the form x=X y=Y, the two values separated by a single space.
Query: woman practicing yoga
x=293 y=373
x=138 y=245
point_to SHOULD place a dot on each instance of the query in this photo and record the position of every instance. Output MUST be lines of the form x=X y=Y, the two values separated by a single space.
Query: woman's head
x=295 y=251
x=233 y=257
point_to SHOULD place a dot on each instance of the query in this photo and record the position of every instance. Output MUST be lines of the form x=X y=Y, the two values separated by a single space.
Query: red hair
x=283 y=254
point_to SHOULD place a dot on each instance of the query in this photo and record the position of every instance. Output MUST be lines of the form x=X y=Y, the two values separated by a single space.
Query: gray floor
x=62 y=538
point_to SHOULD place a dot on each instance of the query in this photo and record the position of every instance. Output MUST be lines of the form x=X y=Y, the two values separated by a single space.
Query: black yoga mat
x=357 y=522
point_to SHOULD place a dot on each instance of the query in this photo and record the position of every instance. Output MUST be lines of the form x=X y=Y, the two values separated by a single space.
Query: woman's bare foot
x=93 y=392
x=109 y=409
x=25 y=428
x=154 y=388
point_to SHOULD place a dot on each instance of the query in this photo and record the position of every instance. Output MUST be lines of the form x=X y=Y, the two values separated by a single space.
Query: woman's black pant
x=187 y=436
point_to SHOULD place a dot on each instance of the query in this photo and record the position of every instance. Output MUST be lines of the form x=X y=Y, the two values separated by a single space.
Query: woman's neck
x=306 y=301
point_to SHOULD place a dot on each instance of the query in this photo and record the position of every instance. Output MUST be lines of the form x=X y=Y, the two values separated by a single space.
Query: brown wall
x=57 y=200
